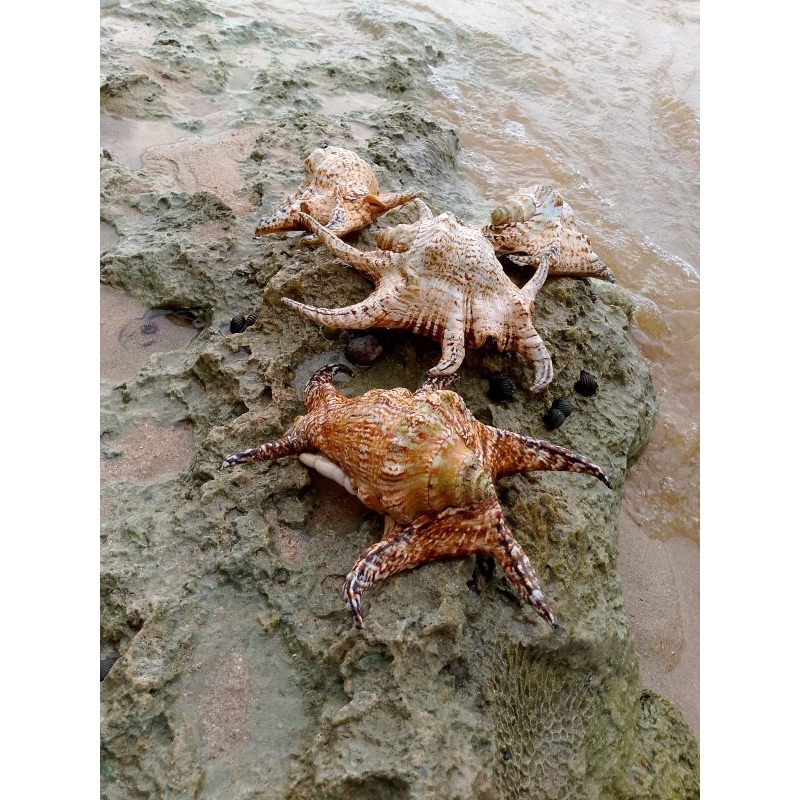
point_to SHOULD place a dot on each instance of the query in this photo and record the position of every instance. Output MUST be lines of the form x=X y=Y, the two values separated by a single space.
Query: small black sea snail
x=363 y=350
x=553 y=418
x=107 y=660
x=501 y=388
x=586 y=384
x=563 y=405
x=241 y=321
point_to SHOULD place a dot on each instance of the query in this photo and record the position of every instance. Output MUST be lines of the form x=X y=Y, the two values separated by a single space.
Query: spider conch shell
x=536 y=225
x=339 y=190
x=439 y=277
x=423 y=461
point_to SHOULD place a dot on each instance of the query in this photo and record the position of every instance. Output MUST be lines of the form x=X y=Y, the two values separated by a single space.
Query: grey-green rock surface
x=239 y=674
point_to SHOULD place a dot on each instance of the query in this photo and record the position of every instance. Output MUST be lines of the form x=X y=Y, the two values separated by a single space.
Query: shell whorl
x=525 y=204
x=426 y=467
x=397 y=239
x=516 y=208
x=456 y=476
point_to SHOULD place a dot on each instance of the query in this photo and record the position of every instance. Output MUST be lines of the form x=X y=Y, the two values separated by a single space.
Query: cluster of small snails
x=559 y=410
x=502 y=388
x=242 y=321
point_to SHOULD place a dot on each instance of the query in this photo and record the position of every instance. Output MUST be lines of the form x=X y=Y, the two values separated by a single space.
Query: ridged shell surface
x=586 y=384
x=403 y=456
x=563 y=405
x=516 y=208
x=501 y=389
x=397 y=238
x=553 y=418
x=241 y=322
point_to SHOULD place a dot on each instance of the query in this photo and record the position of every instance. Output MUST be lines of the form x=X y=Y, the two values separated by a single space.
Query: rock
x=240 y=673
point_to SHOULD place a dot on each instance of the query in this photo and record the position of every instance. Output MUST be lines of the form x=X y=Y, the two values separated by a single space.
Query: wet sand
x=661 y=590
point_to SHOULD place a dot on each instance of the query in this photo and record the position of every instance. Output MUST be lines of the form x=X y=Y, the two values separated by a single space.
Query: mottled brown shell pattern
x=339 y=190
x=429 y=466
x=440 y=278
x=536 y=226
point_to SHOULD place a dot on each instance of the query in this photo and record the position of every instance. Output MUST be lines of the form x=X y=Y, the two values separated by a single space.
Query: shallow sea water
x=601 y=100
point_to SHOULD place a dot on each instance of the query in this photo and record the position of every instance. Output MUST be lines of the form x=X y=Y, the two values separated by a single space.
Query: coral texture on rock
x=339 y=190
x=439 y=277
x=536 y=227
x=429 y=466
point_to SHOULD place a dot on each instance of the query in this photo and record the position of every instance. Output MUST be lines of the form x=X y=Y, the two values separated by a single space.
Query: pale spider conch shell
x=536 y=226
x=440 y=278
x=339 y=190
